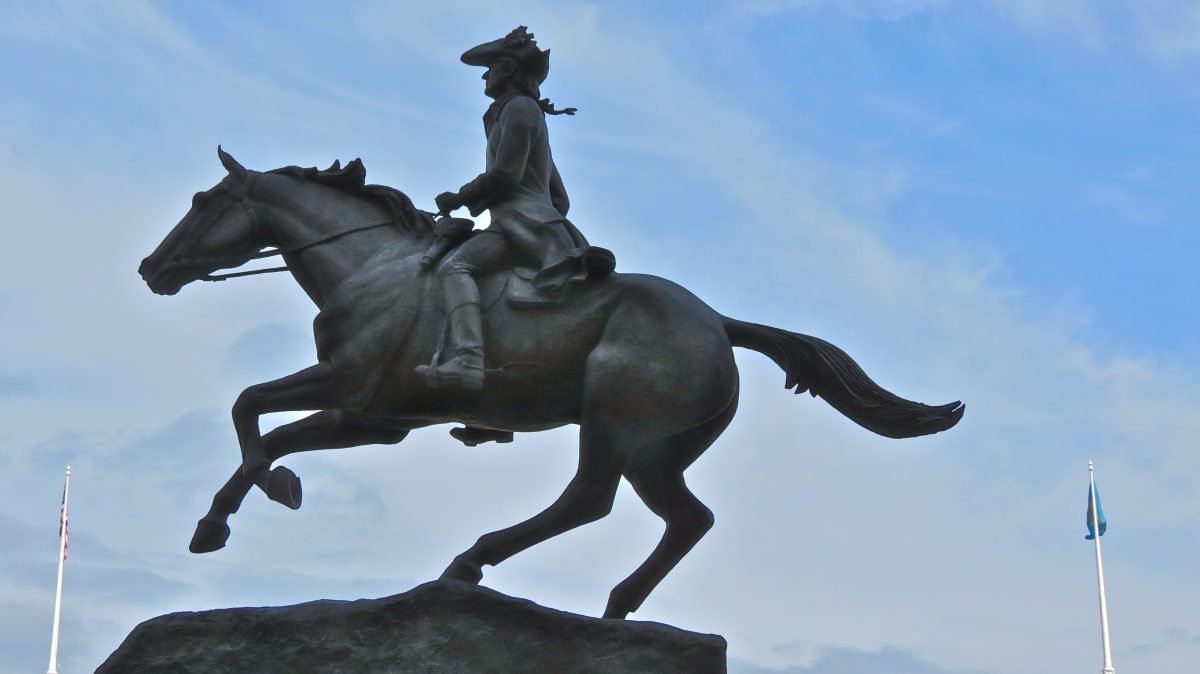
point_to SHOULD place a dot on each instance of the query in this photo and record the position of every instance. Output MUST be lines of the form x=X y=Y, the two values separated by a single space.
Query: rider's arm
x=520 y=121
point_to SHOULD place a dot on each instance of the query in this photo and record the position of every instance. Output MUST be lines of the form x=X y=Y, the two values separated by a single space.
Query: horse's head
x=219 y=231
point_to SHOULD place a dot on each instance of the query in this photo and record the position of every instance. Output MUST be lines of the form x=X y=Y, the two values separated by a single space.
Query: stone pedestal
x=443 y=626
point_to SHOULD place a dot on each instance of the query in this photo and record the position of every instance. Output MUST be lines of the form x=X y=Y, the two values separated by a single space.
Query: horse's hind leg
x=587 y=498
x=330 y=429
x=656 y=473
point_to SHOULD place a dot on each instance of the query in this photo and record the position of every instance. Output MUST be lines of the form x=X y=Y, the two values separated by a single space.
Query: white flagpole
x=62 y=555
x=1108 y=667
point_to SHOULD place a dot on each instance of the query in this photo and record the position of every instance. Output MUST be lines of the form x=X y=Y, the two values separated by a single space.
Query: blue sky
x=985 y=201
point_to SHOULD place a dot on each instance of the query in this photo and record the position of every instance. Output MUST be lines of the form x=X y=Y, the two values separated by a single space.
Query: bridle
x=239 y=195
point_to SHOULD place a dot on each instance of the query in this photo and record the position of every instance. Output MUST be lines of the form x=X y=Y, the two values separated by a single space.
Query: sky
x=985 y=201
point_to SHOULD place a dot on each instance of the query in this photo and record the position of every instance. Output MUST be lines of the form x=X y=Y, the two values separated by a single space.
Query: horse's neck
x=299 y=213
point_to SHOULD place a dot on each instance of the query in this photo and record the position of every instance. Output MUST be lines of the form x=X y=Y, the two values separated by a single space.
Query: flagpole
x=62 y=556
x=1108 y=667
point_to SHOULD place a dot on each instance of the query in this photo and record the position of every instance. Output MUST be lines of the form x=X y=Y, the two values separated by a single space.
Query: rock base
x=443 y=626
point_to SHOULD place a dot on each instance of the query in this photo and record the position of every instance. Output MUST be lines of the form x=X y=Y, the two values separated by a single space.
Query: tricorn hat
x=519 y=46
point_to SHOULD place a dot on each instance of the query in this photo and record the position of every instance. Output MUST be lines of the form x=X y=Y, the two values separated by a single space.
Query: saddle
x=529 y=288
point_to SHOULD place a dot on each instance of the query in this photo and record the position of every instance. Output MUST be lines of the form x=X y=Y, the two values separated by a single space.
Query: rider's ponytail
x=530 y=87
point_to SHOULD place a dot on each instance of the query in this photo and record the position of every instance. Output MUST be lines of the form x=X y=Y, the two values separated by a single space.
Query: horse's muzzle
x=157 y=277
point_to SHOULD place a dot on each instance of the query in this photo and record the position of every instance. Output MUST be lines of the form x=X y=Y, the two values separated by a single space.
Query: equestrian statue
x=520 y=327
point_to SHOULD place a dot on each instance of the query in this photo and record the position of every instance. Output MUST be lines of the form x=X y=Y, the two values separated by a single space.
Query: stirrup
x=458 y=371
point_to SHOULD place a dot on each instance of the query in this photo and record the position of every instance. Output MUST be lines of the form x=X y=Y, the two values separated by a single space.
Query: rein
x=239 y=197
x=284 y=251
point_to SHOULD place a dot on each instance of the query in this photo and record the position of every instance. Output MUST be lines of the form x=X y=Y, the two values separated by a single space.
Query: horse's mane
x=352 y=180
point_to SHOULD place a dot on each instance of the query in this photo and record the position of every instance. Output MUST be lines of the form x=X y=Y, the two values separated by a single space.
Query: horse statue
x=643 y=366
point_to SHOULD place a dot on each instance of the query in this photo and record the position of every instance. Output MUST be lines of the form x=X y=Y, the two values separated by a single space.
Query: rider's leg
x=466 y=329
x=485 y=252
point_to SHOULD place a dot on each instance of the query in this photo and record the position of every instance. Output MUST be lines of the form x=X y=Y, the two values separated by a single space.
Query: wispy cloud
x=823 y=531
x=270 y=350
x=885 y=9
x=1165 y=30
x=1170 y=30
x=1071 y=19
x=11 y=385
x=853 y=661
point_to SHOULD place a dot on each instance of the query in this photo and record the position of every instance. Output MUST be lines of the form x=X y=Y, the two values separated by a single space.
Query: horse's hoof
x=465 y=571
x=614 y=613
x=210 y=536
x=284 y=487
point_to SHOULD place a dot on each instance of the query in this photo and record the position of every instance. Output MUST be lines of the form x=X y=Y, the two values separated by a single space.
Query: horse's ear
x=235 y=169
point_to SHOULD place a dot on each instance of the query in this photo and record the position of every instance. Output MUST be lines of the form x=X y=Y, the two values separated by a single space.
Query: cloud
x=886 y=550
x=23 y=624
x=124 y=585
x=853 y=661
x=1173 y=636
x=891 y=10
x=15 y=386
x=96 y=28
x=129 y=490
x=1166 y=30
x=269 y=351
x=1170 y=30
x=1071 y=19
x=95 y=592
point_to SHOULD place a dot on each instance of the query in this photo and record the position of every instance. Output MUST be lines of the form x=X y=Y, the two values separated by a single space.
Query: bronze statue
x=644 y=367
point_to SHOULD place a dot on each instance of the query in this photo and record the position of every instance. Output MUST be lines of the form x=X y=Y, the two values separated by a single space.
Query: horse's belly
x=533 y=380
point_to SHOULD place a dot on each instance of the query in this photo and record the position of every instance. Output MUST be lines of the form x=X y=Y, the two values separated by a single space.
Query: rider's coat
x=521 y=187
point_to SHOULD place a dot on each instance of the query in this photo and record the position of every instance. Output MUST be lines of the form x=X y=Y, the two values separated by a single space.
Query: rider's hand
x=448 y=202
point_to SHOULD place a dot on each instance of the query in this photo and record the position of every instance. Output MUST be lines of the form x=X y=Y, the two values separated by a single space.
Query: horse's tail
x=824 y=370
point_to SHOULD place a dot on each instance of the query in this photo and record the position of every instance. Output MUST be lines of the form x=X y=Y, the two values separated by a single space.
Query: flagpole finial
x=1091 y=466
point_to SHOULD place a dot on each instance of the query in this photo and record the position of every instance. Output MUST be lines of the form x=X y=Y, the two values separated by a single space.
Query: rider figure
x=521 y=187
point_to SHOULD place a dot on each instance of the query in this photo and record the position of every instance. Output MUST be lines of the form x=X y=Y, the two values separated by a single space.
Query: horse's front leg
x=312 y=388
x=330 y=429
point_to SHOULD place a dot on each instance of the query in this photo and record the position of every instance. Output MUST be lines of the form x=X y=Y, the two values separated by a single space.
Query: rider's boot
x=465 y=365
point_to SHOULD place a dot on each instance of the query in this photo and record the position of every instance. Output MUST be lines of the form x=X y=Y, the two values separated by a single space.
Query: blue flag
x=1094 y=502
